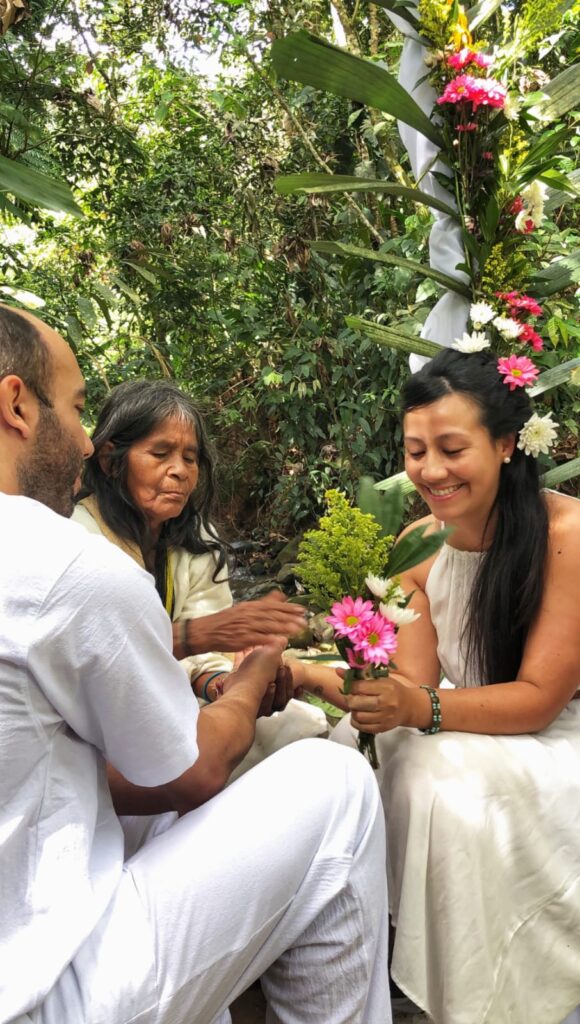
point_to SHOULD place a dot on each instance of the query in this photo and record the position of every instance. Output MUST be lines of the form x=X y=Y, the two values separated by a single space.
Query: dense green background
x=186 y=262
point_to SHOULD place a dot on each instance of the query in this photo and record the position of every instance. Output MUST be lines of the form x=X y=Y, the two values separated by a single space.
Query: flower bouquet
x=350 y=566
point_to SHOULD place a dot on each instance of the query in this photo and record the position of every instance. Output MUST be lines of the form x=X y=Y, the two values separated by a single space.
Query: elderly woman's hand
x=248 y=624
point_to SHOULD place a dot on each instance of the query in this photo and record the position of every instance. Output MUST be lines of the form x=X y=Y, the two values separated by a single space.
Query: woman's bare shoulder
x=417 y=576
x=429 y=521
x=564 y=519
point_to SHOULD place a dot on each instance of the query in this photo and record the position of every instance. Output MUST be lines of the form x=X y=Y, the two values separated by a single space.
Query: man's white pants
x=281 y=876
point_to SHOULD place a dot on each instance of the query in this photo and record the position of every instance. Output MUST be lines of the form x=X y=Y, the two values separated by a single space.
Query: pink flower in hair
x=517 y=371
x=377 y=640
x=349 y=615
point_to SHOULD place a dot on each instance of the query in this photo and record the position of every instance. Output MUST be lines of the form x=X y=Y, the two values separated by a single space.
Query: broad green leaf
x=25 y=298
x=558 y=276
x=554 y=377
x=404 y=11
x=86 y=310
x=560 y=95
x=400 y=480
x=386 y=507
x=559 y=197
x=304 y=58
x=414 y=548
x=143 y=272
x=342 y=249
x=393 y=337
x=479 y=13
x=105 y=293
x=36 y=188
x=347 y=183
x=557 y=475
x=74 y=332
x=124 y=287
x=15 y=116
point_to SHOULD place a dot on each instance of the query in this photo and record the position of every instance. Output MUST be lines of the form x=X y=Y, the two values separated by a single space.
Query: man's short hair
x=23 y=352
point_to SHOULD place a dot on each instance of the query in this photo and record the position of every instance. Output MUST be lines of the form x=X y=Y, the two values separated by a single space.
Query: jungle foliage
x=139 y=214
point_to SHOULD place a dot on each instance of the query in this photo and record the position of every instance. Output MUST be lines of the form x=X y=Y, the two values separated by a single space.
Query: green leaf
x=393 y=337
x=36 y=188
x=143 y=272
x=347 y=183
x=87 y=311
x=386 y=507
x=400 y=9
x=15 y=116
x=342 y=249
x=560 y=95
x=554 y=377
x=559 y=275
x=559 y=474
x=25 y=298
x=558 y=197
x=414 y=548
x=304 y=58
x=479 y=13
x=124 y=287
x=400 y=480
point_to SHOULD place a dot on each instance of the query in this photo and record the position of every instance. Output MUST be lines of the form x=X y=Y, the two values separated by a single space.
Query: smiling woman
x=481 y=786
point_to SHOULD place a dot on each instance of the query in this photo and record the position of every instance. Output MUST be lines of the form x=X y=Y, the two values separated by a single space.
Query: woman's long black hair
x=508 y=587
x=130 y=413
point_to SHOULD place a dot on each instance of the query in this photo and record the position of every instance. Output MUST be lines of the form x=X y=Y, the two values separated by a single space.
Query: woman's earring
x=507 y=460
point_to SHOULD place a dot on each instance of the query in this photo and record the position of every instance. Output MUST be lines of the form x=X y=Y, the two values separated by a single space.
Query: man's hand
x=248 y=624
x=279 y=691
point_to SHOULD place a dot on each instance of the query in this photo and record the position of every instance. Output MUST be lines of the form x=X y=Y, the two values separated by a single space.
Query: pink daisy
x=377 y=640
x=349 y=615
x=517 y=371
x=479 y=92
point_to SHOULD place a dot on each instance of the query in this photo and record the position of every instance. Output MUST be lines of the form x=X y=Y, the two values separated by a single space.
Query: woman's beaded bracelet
x=436 y=711
x=218 y=687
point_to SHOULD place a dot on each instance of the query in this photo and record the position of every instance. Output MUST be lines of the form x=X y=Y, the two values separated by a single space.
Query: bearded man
x=281 y=876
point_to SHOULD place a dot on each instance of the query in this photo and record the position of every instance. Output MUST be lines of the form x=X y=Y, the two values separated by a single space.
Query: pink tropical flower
x=469 y=127
x=349 y=615
x=517 y=206
x=532 y=337
x=486 y=92
x=517 y=371
x=522 y=302
x=376 y=640
x=466 y=56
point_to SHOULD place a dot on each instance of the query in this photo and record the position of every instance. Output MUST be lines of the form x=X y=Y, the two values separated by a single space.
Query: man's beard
x=49 y=472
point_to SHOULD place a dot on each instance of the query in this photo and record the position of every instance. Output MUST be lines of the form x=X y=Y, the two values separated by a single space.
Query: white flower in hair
x=537 y=435
x=481 y=313
x=400 y=616
x=508 y=327
x=475 y=342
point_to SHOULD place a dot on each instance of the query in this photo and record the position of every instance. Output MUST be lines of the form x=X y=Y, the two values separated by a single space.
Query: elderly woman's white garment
x=483 y=851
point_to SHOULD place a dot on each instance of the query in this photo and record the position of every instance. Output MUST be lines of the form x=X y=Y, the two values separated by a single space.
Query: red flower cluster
x=523 y=305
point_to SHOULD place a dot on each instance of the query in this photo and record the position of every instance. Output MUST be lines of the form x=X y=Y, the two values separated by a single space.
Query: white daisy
x=475 y=342
x=481 y=313
x=537 y=435
x=400 y=616
x=377 y=585
x=511 y=107
x=508 y=327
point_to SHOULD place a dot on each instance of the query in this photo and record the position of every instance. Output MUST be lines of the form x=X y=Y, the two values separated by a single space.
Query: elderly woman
x=148 y=488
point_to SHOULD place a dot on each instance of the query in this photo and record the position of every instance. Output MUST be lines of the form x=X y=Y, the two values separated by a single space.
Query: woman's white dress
x=484 y=850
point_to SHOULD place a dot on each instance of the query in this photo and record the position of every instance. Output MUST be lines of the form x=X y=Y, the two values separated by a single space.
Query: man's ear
x=104 y=457
x=18 y=406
